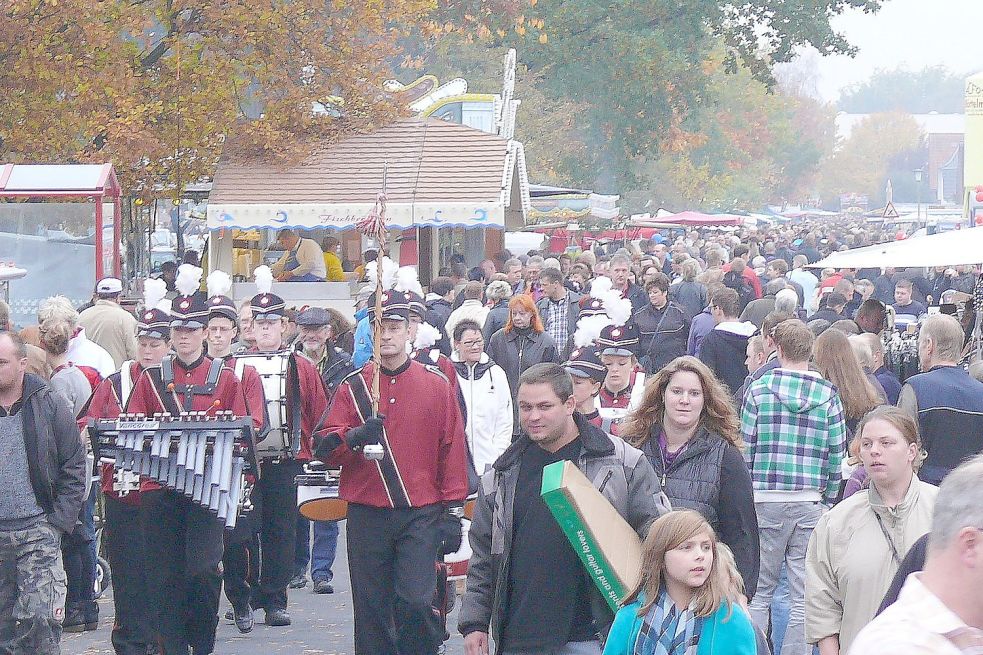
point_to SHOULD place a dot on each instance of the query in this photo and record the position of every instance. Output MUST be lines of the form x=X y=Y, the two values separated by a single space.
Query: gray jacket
x=497 y=317
x=515 y=352
x=621 y=472
x=710 y=477
x=55 y=454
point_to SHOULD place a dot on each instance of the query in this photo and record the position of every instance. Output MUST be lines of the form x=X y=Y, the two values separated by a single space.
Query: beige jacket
x=849 y=564
x=113 y=328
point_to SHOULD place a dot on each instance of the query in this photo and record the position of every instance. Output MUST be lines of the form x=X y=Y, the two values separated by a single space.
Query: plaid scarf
x=666 y=631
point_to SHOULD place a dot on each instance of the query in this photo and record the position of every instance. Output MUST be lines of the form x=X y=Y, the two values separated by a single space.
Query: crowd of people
x=734 y=405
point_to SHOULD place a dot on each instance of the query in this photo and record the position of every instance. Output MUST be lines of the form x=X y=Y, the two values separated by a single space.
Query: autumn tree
x=862 y=163
x=749 y=146
x=635 y=68
x=742 y=146
x=162 y=87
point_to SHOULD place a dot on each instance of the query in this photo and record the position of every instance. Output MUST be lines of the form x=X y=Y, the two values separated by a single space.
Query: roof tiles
x=435 y=159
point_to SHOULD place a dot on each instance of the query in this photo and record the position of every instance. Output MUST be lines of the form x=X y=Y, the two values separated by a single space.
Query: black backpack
x=739 y=283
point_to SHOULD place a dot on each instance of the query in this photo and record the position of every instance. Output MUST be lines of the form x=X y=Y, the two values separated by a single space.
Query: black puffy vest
x=693 y=479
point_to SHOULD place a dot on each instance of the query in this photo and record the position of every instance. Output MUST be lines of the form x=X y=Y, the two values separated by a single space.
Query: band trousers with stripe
x=391 y=558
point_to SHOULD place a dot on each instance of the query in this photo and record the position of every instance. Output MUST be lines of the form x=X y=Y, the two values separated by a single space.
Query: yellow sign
x=973 y=174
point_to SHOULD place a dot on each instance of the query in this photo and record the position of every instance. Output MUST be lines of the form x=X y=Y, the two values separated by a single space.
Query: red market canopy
x=698 y=219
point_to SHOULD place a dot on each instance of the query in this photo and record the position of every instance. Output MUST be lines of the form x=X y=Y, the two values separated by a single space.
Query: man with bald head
x=944 y=399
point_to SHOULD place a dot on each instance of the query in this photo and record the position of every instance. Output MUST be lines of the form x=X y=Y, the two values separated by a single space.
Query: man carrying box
x=525 y=580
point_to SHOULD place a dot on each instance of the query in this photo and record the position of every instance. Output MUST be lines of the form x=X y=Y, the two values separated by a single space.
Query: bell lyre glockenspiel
x=204 y=456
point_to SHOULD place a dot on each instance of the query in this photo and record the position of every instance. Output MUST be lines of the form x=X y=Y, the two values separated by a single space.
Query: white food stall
x=436 y=175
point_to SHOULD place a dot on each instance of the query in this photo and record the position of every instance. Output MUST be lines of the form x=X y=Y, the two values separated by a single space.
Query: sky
x=910 y=33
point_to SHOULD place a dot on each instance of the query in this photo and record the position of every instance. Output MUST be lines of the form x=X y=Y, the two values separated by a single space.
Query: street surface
x=322 y=624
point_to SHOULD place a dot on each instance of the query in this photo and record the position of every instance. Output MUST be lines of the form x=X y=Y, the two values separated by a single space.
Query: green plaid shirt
x=793 y=425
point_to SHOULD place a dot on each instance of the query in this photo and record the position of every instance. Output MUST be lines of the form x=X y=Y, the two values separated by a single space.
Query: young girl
x=681 y=604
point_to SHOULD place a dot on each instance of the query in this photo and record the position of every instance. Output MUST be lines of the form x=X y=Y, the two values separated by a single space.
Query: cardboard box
x=608 y=547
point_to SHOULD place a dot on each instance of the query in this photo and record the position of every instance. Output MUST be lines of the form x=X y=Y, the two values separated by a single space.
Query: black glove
x=324 y=446
x=367 y=434
x=449 y=530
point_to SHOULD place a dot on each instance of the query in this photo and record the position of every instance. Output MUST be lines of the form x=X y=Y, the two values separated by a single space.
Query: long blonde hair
x=666 y=533
x=835 y=360
x=718 y=413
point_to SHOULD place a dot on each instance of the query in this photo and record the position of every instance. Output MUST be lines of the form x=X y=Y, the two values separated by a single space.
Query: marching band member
x=423 y=336
x=606 y=325
x=588 y=373
x=624 y=384
x=423 y=339
x=133 y=627
x=295 y=403
x=183 y=539
x=404 y=510
x=240 y=563
x=585 y=365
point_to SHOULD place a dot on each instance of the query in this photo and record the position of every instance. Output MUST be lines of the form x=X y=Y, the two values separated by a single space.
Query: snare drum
x=317 y=497
x=457 y=563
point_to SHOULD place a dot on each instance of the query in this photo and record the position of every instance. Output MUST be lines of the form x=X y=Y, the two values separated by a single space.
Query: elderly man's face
x=619 y=273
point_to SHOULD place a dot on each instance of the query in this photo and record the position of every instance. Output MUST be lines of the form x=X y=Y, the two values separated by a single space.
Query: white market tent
x=953 y=248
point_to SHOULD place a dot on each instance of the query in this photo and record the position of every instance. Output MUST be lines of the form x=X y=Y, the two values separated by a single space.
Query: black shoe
x=91 y=613
x=229 y=615
x=277 y=617
x=74 y=621
x=244 y=619
x=299 y=581
x=323 y=587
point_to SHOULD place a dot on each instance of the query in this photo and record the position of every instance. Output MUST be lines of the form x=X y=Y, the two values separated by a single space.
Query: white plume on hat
x=264 y=279
x=154 y=291
x=426 y=336
x=600 y=286
x=389 y=269
x=188 y=279
x=589 y=329
x=407 y=279
x=219 y=283
x=618 y=309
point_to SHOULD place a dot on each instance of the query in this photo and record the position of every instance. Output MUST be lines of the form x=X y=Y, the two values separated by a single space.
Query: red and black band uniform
x=396 y=504
x=133 y=628
x=184 y=540
x=241 y=560
x=277 y=489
